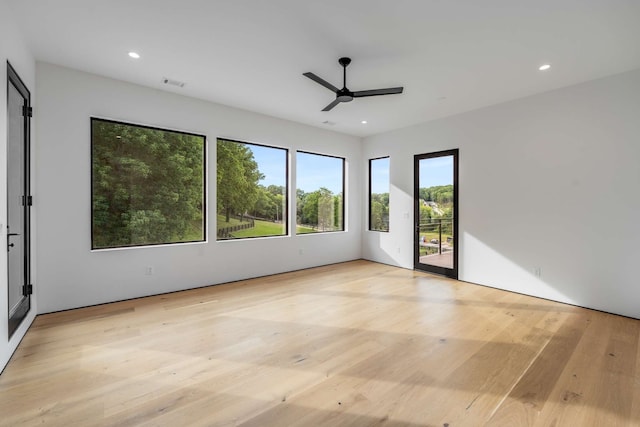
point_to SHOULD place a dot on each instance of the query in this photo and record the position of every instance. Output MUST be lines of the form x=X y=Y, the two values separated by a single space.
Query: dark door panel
x=436 y=213
x=18 y=199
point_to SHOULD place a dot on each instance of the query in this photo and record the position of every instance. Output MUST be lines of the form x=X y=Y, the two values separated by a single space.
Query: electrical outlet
x=148 y=271
x=300 y=251
x=537 y=271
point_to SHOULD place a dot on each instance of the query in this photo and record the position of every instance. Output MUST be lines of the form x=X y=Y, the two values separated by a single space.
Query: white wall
x=70 y=275
x=550 y=180
x=13 y=49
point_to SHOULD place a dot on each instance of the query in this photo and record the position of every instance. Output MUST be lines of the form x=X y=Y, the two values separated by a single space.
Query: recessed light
x=134 y=55
x=364 y=122
x=544 y=67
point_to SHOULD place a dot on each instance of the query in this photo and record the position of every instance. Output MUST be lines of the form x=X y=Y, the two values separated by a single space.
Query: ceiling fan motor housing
x=344 y=61
x=344 y=95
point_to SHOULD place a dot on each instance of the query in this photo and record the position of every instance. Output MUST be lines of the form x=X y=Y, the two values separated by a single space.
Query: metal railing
x=441 y=226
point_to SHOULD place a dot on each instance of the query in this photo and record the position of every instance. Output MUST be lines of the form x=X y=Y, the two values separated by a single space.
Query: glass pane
x=147 y=185
x=379 y=194
x=320 y=202
x=436 y=211
x=252 y=190
x=15 y=193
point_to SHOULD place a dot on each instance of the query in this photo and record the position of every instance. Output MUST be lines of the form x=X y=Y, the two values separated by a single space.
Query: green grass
x=261 y=229
x=222 y=223
x=304 y=230
x=194 y=232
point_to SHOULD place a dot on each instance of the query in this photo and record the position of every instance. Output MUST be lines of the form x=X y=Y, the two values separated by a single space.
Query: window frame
x=286 y=193
x=204 y=183
x=370 y=228
x=344 y=194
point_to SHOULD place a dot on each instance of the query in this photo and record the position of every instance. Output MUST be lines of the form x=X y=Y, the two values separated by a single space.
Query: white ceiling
x=450 y=55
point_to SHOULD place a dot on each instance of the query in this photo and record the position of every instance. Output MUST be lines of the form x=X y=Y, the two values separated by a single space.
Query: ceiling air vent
x=172 y=82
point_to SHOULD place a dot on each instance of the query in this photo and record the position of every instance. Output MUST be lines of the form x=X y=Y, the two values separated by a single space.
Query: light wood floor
x=353 y=344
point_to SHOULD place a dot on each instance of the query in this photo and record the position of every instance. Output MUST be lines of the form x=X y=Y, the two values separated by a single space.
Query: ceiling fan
x=344 y=94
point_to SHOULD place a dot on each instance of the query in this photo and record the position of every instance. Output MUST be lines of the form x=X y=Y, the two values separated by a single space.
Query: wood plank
x=523 y=404
x=357 y=343
x=597 y=364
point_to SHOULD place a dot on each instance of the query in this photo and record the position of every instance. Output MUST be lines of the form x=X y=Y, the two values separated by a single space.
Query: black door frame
x=448 y=272
x=25 y=305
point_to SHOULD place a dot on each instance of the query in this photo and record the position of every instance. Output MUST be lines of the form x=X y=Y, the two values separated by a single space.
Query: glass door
x=436 y=213
x=18 y=200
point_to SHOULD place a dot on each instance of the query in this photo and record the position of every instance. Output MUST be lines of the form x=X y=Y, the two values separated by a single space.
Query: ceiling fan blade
x=374 y=92
x=321 y=81
x=330 y=106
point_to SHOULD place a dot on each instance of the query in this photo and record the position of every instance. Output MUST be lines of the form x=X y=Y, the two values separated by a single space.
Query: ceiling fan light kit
x=344 y=94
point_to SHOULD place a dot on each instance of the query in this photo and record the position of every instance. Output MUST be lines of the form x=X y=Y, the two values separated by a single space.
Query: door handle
x=10 y=245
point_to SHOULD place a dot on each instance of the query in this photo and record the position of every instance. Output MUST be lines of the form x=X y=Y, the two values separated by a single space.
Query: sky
x=380 y=176
x=315 y=171
x=271 y=163
x=436 y=171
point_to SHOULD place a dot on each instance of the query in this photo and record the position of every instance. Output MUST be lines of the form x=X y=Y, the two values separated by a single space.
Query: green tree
x=277 y=195
x=337 y=211
x=426 y=213
x=310 y=208
x=300 y=202
x=380 y=211
x=263 y=205
x=326 y=217
x=376 y=215
x=237 y=178
x=147 y=185
x=321 y=209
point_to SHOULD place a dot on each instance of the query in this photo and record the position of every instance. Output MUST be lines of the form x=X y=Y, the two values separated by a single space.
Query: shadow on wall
x=549 y=242
x=552 y=222
x=548 y=193
x=396 y=246
x=385 y=241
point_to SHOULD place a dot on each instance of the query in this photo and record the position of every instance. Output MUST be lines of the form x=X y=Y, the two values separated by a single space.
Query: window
x=379 y=194
x=148 y=185
x=251 y=190
x=319 y=193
